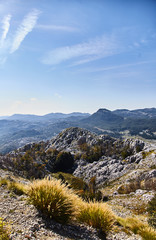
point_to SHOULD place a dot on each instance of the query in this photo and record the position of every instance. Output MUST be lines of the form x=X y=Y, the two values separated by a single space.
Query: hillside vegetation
x=79 y=185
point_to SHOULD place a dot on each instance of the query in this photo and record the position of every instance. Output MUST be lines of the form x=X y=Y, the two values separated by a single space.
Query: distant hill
x=137 y=122
x=138 y=113
x=103 y=118
x=18 y=129
x=48 y=117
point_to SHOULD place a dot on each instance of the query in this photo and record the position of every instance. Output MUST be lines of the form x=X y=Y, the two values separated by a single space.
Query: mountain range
x=20 y=129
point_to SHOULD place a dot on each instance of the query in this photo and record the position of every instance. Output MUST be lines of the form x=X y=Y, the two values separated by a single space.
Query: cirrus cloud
x=83 y=52
x=5 y=27
x=25 y=27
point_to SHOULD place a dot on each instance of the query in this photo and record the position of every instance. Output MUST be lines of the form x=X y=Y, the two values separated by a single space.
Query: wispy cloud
x=102 y=69
x=5 y=28
x=25 y=27
x=84 y=52
x=56 y=28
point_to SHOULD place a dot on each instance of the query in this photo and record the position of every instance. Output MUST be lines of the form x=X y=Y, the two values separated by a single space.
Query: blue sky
x=77 y=55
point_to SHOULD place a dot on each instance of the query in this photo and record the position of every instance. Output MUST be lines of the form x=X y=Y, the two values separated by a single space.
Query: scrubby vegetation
x=16 y=187
x=137 y=227
x=57 y=201
x=97 y=215
x=86 y=191
x=53 y=199
x=64 y=162
x=104 y=148
x=4 y=232
x=147 y=184
x=35 y=161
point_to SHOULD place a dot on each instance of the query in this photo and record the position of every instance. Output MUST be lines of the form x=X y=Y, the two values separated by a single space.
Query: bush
x=4 y=234
x=64 y=162
x=152 y=211
x=92 y=193
x=71 y=181
x=53 y=199
x=97 y=215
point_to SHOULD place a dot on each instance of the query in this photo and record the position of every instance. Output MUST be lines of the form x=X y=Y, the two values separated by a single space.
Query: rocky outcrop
x=106 y=169
x=71 y=138
x=119 y=157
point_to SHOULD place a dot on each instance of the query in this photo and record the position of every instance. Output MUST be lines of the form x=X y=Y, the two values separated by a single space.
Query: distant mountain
x=138 y=113
x=25 y=117
x=18 y=130
x=48 y=117
x=3 y=117
x=103 y=118
x=137 y=122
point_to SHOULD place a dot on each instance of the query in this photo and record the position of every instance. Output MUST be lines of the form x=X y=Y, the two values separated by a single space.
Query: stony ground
x=25 y=222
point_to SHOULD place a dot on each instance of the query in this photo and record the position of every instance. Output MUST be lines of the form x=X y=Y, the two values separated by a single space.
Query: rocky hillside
x=124 y=171
x=91 y=155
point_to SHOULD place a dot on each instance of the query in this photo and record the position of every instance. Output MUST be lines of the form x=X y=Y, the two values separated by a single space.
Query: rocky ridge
x=108 y=168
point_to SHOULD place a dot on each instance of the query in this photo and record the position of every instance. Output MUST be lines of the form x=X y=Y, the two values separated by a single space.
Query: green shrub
x=64 y=162
x=92 y=193
x=97 y=215
x=85 y=191
x=71 y=181
x=53 y=199
x=4 y=233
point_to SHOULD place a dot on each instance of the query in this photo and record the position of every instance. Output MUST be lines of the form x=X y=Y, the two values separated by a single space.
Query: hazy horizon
x=76 y=56
x=71 y=112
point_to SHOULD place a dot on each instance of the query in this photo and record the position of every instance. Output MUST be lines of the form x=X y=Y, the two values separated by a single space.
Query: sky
x=77 y=55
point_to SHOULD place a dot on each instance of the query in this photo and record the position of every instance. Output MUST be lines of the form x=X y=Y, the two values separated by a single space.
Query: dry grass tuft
x=17 y=188
x=14 y=186
x=4 y=233
x=97 y=215
x=54 y=199
x=138 y=227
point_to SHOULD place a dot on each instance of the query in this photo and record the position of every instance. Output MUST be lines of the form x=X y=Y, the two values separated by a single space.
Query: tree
x=64 y=162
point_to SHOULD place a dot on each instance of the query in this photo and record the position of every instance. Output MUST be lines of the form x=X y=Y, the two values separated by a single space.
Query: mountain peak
x=103 y=110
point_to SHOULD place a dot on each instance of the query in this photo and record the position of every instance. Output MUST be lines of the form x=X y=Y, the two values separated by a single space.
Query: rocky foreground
x=125 y=172
x=25 y=222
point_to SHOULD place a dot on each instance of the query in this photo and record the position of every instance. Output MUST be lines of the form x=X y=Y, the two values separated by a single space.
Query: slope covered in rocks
x=26 y=222
x=123 y=170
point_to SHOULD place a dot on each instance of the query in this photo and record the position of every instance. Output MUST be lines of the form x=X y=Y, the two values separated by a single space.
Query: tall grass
x=138 y=227
x=17 y=187
x=54 y=199
x=4 y=234
x=97 y=215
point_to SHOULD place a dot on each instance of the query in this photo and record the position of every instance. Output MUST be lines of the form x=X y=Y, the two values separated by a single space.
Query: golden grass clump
x=3 y=181
x=4 y=233
x=97 y=215
x=138 y=227
x=54 y=199
x=16 y=187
